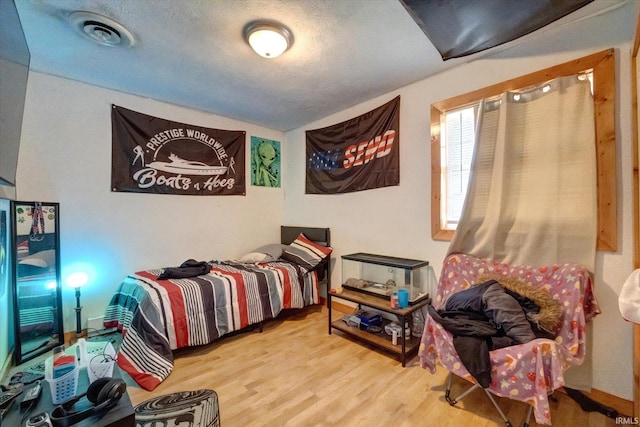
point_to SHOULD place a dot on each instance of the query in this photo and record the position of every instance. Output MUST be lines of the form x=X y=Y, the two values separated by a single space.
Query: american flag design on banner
x=362 y=153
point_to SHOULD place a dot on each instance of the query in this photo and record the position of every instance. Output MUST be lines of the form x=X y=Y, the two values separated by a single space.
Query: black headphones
x=104 y=393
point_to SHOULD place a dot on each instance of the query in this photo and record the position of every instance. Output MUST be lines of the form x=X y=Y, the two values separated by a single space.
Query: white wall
x=396 y=220
x=65 y=157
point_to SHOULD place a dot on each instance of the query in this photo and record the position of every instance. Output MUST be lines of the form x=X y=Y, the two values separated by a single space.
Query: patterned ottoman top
x=198 y=408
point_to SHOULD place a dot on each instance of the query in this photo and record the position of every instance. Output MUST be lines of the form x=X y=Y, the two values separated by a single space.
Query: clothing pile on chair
x=494 y=315
x=528 y=372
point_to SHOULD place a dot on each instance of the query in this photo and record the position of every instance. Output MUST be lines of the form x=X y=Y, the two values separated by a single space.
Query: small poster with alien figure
x=265 y=162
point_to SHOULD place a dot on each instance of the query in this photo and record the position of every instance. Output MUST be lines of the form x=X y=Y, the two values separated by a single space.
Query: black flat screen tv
x=14 y=71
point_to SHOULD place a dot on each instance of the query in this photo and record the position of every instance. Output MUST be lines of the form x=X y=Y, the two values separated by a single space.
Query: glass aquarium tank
x=381 y=275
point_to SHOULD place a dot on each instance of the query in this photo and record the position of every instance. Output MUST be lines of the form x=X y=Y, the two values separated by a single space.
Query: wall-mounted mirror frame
x=37 y=291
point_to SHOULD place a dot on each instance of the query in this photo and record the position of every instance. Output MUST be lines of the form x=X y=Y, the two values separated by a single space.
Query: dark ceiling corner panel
x=463 y=27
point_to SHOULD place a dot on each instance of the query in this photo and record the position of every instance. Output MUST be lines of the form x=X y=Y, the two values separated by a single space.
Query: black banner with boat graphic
x=153 y=155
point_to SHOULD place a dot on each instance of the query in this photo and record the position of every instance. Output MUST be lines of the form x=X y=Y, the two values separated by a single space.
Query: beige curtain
x=532 y=192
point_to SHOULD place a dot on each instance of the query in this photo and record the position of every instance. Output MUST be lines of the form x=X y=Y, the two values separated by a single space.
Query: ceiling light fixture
x=268 y=39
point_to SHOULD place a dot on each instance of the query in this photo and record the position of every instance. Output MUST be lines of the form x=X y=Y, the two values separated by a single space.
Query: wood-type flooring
x=295 y=374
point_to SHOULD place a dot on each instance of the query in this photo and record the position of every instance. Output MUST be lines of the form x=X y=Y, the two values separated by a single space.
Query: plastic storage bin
x=87 y=350
x=100 y=360
x=63 y=388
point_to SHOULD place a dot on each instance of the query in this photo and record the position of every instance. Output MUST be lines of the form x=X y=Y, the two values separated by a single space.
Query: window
x=458 y=135
x=453 y=122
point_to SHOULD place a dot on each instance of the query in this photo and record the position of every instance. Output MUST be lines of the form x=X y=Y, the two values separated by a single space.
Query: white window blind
x=457 y=152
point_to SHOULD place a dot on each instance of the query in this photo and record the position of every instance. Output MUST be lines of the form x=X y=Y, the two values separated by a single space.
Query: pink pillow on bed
x=306 y=253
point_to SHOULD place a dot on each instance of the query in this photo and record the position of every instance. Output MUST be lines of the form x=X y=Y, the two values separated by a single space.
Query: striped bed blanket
x=158 y=316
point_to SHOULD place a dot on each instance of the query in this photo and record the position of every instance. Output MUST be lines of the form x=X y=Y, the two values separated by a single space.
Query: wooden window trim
x=636 y=210
x=603 y=66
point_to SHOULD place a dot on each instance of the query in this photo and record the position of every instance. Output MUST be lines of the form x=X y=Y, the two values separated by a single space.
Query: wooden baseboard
x=623 y=406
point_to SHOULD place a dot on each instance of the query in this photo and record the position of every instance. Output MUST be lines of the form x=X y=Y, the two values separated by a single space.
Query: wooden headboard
x=318 y=235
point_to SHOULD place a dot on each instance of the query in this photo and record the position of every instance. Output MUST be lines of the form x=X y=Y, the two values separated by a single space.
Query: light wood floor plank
x=295 y=374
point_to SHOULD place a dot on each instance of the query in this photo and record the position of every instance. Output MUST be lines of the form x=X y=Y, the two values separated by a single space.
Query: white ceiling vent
x=101 y=29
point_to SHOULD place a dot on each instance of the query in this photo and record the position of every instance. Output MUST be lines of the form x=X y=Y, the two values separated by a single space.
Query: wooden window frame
x=602 y=65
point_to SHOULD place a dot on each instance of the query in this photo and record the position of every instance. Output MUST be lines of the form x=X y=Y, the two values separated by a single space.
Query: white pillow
x=253 y=257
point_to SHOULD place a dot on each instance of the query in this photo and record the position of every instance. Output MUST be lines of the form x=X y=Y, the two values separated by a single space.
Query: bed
x=157 y=316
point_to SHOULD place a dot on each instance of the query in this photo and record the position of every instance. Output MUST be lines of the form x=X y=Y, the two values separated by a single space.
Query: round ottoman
x=197 y=408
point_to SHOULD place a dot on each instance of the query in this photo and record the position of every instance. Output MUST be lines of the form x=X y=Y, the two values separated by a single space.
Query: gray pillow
x=273 y=249
x=306 y=253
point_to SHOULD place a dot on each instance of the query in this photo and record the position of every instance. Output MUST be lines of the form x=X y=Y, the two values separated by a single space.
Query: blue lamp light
x=78 y=280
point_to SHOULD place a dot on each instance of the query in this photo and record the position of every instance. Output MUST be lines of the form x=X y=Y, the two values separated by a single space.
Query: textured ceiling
x=192 y=52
